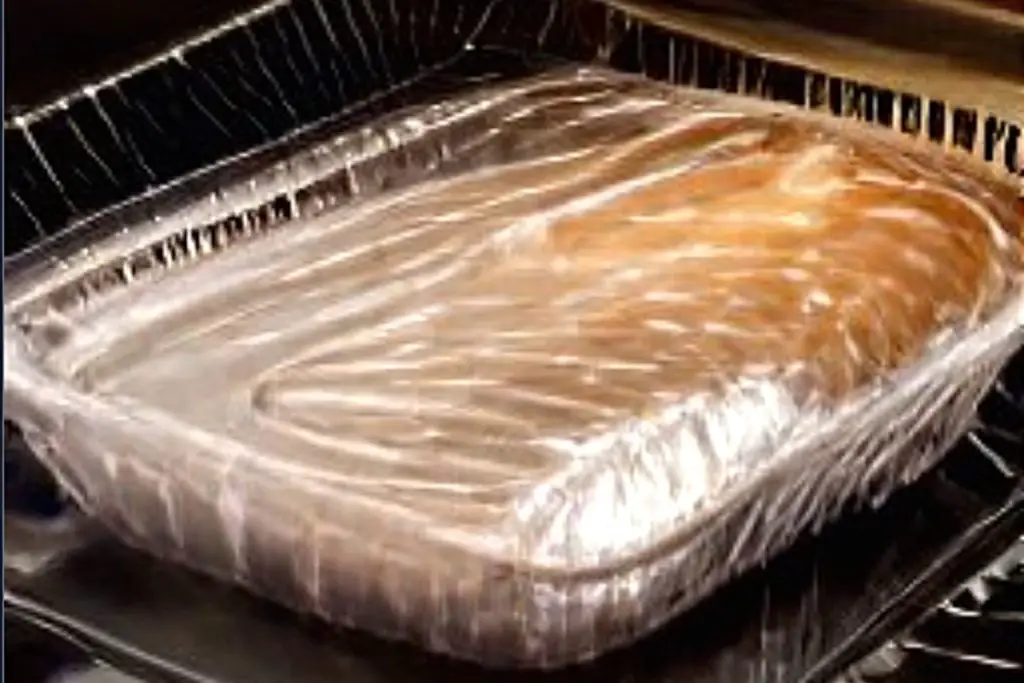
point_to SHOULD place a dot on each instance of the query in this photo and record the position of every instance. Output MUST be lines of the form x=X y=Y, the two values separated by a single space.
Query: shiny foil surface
x=578 y=350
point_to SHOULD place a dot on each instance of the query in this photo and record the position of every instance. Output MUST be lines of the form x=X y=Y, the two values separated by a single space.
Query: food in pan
x=591 y=347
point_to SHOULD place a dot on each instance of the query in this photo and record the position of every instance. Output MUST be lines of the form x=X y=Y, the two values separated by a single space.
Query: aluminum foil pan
x=535 y=476
x=254 y=216
x=843 y=606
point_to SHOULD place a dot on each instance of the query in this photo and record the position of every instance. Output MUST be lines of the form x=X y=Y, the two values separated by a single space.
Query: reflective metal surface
x=808 y=616
x=221 y=69
x=618 y=343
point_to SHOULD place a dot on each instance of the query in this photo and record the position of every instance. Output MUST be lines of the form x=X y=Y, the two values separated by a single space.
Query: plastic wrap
x=587 y=347
x=807 y=616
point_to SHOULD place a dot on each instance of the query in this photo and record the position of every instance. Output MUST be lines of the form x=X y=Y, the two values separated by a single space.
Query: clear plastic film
x=578 y=350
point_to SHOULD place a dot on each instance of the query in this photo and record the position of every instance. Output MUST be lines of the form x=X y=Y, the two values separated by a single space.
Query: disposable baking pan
x=864 y=601
x=494 y=23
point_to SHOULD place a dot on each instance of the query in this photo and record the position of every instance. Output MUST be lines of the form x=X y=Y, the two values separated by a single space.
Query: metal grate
x=975 y=636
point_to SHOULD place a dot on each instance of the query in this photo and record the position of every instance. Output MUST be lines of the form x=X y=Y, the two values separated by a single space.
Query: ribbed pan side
x=864 y=584
x=298 y=69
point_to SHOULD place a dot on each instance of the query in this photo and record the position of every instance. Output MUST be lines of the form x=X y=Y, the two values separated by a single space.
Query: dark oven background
x=52 y=45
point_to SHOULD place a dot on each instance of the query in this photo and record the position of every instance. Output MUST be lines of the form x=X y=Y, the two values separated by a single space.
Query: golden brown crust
x=818 y=249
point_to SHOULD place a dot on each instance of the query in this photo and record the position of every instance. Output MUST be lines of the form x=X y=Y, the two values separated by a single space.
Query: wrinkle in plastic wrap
x=595 y=347
x=806 y=616
x=287 y=66
x=267 y=74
